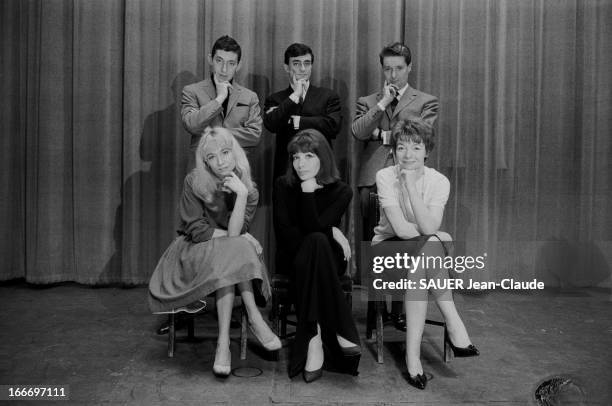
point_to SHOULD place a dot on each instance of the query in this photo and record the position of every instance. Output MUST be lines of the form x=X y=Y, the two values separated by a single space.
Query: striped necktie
x=393 y=104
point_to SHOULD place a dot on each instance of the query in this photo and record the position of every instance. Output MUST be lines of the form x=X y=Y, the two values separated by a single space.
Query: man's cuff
x=375 y=134
x=294 y=98
x=381 y=107
x=385 y=137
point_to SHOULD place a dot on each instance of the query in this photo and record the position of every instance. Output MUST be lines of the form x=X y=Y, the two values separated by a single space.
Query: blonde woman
x=214 y=252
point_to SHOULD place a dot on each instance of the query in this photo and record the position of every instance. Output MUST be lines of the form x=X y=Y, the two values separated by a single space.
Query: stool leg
x=274 y=315
x=171 y=335
x=283 y=320
x=447 y=349
x=370 y=319
x=243 y=332
x=379 y=333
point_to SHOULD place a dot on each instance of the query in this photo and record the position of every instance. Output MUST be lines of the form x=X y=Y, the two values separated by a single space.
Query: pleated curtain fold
x=94 y=153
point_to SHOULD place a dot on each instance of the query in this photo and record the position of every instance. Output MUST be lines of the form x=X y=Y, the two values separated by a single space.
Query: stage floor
x=101 y=342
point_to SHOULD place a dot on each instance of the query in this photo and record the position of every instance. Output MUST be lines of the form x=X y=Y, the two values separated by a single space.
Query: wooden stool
x=191 y=335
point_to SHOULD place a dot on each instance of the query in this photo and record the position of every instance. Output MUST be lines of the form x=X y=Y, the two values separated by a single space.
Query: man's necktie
x=303 y=96
x=393 y=104
x=225 y=103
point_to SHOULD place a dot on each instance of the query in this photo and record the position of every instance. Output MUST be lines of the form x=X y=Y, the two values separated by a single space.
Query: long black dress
x=308 y=254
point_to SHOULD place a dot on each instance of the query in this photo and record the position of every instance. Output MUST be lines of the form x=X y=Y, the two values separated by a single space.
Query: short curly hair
x=417 y=131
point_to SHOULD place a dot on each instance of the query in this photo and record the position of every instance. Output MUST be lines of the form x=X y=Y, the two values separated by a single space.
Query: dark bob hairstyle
x=310 y=140
x=297 y=49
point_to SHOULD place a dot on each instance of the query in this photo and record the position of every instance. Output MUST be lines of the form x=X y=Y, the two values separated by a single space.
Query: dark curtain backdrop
x=93 y=151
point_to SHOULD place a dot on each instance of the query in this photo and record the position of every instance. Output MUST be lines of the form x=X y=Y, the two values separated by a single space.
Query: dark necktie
x=225 y=102
x=393 y=104
x=303 y=96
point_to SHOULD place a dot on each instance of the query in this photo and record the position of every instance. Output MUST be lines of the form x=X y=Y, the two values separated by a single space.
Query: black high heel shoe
x=350 y=359
x=399 y=321
x=311 y=376
x=469 y=351
x=419 y=381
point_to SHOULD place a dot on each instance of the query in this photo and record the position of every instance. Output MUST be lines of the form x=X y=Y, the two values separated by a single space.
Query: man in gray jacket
x=220 y=101
x=375 y=117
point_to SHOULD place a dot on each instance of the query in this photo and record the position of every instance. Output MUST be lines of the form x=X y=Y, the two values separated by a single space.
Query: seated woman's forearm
x=219 y=232
x=406 y=231
x=236 y=220
x=428 y=226
x=401 y=227
x=426 y=221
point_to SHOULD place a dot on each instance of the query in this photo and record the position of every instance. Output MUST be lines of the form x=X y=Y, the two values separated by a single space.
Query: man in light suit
x=300 y=106
x=220 y=101
x=376 y=115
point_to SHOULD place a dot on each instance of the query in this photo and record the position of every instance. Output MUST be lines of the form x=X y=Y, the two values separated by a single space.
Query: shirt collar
x=401 y=92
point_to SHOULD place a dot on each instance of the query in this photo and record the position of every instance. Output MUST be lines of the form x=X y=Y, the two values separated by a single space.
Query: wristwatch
x=376 y=134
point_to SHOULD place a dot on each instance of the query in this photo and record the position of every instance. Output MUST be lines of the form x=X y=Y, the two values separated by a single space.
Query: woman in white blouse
x=412 y=198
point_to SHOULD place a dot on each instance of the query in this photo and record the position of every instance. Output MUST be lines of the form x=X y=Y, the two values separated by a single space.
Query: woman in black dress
x=309 y=202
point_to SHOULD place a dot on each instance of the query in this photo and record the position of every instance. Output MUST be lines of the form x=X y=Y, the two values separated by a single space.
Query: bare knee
x=433 y=247
x=444 y=236
x=222 y=292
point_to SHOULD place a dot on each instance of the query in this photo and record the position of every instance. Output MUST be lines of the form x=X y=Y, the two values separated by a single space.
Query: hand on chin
x=411 y=174
x=309 y=184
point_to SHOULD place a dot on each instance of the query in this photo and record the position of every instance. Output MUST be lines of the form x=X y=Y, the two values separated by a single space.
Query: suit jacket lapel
x=311 y=94
x=233 y=97
x=408 y=96
x=209 y=88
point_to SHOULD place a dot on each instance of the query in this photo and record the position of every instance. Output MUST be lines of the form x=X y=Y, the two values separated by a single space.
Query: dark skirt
x=414 y=247
x=319 y=299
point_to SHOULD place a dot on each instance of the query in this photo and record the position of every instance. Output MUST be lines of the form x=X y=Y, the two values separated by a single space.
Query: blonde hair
x=204 y=180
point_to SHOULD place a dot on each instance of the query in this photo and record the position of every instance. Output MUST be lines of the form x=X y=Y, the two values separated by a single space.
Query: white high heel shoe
x=221 y=370
x=273 y=343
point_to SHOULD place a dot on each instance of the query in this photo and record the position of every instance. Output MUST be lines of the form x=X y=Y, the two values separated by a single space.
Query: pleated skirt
x=190 y=271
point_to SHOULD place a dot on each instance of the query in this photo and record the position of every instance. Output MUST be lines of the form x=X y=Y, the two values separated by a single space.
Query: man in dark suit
x=220 y=101
x=376 y=115
x=300 y=106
